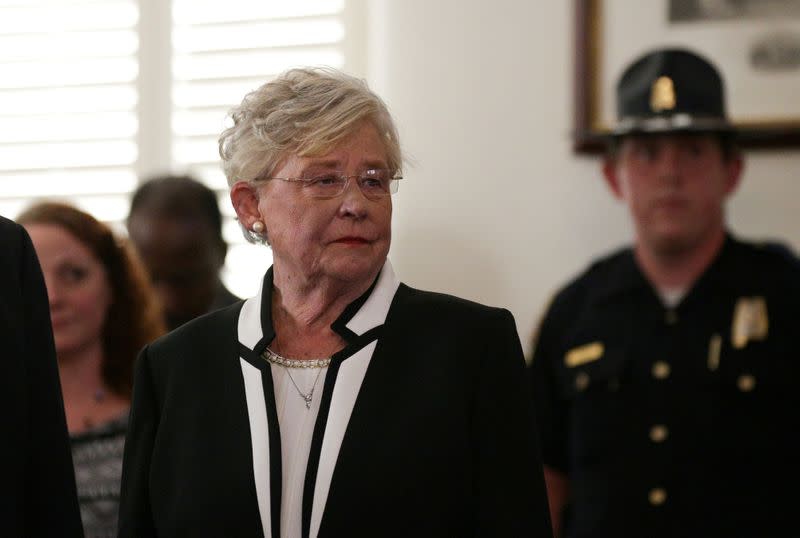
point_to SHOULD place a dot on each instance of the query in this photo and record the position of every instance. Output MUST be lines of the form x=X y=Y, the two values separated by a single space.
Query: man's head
x=176 y=225
x=672 y=157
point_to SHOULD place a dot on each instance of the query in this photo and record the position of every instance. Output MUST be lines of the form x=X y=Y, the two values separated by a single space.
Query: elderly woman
x=338 y=402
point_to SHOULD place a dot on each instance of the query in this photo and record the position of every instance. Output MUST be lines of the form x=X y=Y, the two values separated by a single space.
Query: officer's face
x=675 y=187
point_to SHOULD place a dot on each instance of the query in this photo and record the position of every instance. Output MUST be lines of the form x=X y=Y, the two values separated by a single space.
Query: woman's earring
x=258 y=227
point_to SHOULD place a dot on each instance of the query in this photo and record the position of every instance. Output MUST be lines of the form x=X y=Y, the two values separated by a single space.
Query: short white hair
x=304 y=112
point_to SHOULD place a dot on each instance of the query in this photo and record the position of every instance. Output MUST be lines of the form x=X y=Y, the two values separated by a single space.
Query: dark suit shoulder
x=199 y=339
x=594 y=278
x=22 y=284
x=35 y=459
x=12 y=238
x=442 y=307
x=774 y=262
x=7 y=225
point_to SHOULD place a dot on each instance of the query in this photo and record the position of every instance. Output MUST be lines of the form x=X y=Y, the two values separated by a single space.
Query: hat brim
x=677 y=123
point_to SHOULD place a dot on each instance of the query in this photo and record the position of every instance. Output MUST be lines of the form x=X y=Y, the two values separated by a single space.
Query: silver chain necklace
x=287 y=364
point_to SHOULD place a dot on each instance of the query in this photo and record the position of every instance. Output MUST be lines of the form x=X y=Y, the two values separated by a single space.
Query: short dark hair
x=178 y=196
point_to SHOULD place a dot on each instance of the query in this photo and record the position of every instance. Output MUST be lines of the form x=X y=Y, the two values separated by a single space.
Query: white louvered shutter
x=68 y=103
x=97 y=93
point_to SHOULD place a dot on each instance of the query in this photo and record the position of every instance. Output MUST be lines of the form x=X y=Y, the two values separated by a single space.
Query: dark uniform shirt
x=678 y=422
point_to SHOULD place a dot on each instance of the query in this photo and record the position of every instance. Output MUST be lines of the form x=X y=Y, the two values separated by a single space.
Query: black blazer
x=36 y=474
x=437 y=440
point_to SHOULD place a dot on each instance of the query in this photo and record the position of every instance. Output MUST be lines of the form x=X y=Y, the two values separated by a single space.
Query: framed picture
x=754 y=43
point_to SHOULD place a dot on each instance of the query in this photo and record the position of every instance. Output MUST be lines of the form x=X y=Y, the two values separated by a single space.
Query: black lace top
x=97 y=456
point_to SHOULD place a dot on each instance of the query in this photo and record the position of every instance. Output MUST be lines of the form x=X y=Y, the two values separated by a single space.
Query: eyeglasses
x=375 y=183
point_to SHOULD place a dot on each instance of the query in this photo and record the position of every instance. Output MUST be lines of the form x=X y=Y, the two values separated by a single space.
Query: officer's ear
x=612 y=176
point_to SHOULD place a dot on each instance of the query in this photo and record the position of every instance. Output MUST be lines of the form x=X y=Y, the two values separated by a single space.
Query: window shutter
x=68 y=104
x=96 y=93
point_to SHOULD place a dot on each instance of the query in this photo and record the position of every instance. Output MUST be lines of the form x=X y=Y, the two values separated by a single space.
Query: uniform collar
x=625 y=276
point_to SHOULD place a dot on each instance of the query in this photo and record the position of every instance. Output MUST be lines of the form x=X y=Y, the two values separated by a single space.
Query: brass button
x=671 y=317
x=661 y=370
x=746 y=382
x=658 y=433
x=581 y=381
x=657 y=496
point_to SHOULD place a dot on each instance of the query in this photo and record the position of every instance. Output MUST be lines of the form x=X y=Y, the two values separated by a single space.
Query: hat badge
x=662 y=94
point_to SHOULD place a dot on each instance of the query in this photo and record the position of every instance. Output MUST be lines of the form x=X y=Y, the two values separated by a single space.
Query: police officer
x=665 y=376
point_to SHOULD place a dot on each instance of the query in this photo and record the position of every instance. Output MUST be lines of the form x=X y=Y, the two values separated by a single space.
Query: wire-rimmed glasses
x=375 y=183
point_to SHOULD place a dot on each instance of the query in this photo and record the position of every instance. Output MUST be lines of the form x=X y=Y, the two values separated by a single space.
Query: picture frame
x=762 y=98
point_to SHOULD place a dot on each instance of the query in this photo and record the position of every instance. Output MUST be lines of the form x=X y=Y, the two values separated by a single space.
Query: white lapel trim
x=249 y=328
x=249 y=333
x=259 y=435
x=374 y=310
x=348 y=383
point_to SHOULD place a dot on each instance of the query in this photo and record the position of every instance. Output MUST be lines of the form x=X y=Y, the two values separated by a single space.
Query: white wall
x=495 y=207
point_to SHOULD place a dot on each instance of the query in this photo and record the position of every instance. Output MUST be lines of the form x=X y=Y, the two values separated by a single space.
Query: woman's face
x=345 y=238
x=77 y=287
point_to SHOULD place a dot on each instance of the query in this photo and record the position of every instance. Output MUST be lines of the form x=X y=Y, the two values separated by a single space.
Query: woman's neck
x=302 y=315
x=87 y=399
x=81 y=372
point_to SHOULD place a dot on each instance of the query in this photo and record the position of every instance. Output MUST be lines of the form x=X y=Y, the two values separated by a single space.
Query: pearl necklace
x=272 y=357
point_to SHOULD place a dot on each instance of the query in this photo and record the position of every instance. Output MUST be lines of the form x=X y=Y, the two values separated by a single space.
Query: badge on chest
x=750 y=321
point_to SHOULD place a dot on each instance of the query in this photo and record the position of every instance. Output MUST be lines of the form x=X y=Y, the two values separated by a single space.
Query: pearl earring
x=258 y=227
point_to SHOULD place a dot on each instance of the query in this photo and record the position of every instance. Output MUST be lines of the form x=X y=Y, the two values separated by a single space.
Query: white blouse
x=296 y=423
